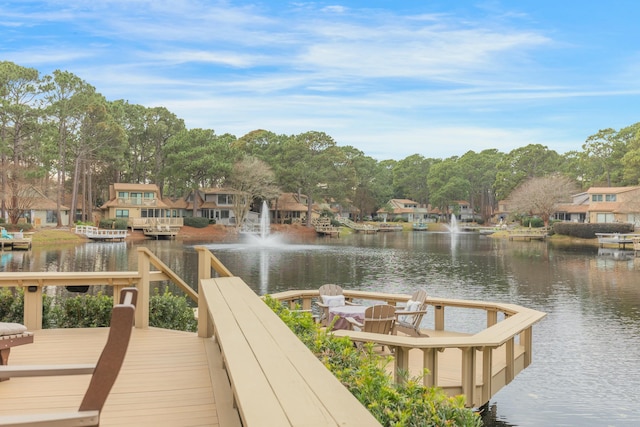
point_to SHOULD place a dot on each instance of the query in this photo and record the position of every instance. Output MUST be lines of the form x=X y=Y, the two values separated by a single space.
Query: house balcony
x=137 y=201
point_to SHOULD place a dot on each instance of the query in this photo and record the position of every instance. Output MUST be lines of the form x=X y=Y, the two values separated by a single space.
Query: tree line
x=58 y=133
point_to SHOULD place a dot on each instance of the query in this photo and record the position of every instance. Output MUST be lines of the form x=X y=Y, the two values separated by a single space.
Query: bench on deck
x=12 y=335
x=275 y=379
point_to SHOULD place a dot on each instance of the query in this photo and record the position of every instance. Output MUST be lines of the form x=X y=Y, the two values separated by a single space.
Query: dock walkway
x=95 y=233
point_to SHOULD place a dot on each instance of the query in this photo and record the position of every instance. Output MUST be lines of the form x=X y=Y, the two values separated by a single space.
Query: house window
x=225 y=199
x=136 y=198
x=52 y=216
x=610 y=197
x=605 y=217
x=151 y=213
x=149 y=195
x=122 y=213
x=224 y=214
x=123 y=194
x=596 y=198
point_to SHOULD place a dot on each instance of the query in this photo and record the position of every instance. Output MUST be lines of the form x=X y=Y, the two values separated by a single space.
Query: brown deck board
x=165 y=379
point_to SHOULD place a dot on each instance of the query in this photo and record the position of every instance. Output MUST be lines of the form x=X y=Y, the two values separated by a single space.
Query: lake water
x=585 y=369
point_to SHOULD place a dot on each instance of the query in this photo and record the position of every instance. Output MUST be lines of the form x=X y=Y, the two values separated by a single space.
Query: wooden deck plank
x=165 y=379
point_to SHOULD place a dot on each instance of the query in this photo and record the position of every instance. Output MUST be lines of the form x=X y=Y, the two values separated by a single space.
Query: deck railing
x=508 y=340
x=139 y=223
x=506 y=334
x=150 y=269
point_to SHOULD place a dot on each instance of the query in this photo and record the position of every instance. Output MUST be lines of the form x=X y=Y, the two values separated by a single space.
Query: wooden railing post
x=33 y=307
x=487 y=374
x=430 y=362
x=492 y=317
x=469 y=374
x=142 y=308
x=439 y=317
x=205 y=328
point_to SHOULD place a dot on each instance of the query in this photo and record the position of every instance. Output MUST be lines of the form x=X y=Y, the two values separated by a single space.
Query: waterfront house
x=291 y=208
x=614 y=204
x=398 y=209
x=576 y=211
x=212 y=203
x=139 y=204
x=40 y=210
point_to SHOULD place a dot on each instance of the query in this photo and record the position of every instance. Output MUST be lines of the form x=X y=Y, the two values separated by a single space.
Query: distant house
x=291 y=208
x=212 y=203
x=139 y=204
x=576 y=211
x=463 y=211
x=614 y=204
x=41 y=211
x=399 y=209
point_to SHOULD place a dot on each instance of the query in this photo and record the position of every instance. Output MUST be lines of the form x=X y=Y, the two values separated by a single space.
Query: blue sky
x=391 y=78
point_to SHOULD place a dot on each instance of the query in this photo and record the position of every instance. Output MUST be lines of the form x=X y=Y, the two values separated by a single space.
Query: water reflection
x=585 y=365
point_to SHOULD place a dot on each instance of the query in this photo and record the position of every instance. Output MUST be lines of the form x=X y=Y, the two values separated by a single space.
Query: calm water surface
x=585 y=369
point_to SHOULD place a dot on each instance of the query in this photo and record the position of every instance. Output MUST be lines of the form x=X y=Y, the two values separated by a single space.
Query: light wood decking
x=165 y=379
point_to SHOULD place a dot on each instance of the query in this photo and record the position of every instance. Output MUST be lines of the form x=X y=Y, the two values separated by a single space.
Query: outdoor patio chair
x=104 y=373
x=330 y=296
x=379 y=319
x=409 y=317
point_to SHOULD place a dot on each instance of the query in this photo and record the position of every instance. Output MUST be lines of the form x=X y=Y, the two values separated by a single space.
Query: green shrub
x=196 y=222
x=170 y=311
x=364 y=374
x=11 y=305
x=18 y=227
x=113 y=224
x=91 y=311
x=589 y=230
x=532 y=221
x=82 y=311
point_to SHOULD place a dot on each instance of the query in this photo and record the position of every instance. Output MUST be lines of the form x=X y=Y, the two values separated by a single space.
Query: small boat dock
x=619 y=240
x=359 y=227
x=387 y=226
x=161 y=231
x=323 y=227
x=95 y=233
x=528 y=233
x=17 y=240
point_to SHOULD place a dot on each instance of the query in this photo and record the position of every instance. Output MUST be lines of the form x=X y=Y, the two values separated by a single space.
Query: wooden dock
x=359 y=227
x=323 y=227
x=24 y=243
x=161 y=231
x=16 y=240
x=179 y=378
x=386 y=226
x=528 y=233
x=95 y=233
x=617 y=239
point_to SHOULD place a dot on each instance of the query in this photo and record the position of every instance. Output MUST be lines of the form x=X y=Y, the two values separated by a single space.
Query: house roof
x=123 y=186
x=38 y=201
x=572 y=208
x=289 y=202
x=177 y=203
x=611 y=190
